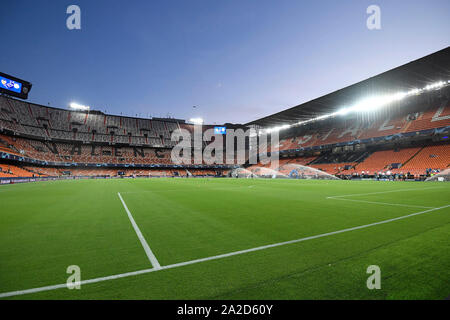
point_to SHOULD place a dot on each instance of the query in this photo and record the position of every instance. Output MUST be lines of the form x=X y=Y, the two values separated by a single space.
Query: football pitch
x=224 y=239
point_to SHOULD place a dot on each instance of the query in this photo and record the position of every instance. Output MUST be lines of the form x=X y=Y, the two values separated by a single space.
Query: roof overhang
x=416 y=74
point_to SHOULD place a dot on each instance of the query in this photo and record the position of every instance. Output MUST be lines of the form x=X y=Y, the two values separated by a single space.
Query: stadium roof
x=416 y=74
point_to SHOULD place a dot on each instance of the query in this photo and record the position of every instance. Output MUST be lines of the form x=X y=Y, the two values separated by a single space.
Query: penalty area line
x=382 y=203
x=381 y=192
x=343 y=197
x=181 y=264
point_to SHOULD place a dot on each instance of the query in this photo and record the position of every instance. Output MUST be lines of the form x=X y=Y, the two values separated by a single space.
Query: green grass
x=47 y=226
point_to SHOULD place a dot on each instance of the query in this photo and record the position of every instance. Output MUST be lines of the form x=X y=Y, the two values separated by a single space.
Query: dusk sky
x=236 y=60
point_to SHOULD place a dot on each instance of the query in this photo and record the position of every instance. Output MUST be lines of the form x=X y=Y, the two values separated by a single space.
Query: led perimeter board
x=14 y=86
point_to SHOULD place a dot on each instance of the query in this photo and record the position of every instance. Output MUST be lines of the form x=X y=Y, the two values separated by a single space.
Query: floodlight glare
x=196 y=120
x=371 y=104
x=343 y=111
x=76 y=106
x=436 y=85
x=366 y=105
x=414 y=91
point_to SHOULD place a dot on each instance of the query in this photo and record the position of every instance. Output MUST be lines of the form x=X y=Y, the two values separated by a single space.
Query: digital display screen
x=220 y=130
x=10 y=85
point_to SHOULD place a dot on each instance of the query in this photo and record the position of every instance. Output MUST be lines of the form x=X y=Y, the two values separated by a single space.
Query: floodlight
x=76 y=106
x=414 y=91
x=198 y=121
x=367 y=104
x=343 y=111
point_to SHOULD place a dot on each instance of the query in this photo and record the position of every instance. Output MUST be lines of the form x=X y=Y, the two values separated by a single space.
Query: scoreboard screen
x=220 y=130
x=13 y=86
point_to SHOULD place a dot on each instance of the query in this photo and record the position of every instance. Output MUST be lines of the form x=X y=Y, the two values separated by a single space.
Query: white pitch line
x=341 y=197
x=380 y=192
x=231 y=188
x=181 y=264
x=383 y=203
x=144 y=243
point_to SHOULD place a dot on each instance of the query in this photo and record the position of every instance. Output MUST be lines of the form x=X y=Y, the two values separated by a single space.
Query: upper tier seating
x=358 y=129
x=45 y=122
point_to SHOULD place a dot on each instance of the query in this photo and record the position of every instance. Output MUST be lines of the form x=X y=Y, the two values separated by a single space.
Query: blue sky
x=235 y=60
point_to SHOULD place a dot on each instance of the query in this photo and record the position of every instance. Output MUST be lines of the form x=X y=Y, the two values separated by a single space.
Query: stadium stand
x=70 y=152
x=381 y=160
x=409 y=136
x=10 y=171
x=359 y=129
x=430 y=157
x=46 y=122
x=334 y=168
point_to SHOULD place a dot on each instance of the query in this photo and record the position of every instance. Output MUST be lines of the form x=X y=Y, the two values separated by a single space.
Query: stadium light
x=436 y=85
x=76 y=106
x=343 y=111
x=367 y=105
x=414 y=91
x=198 y=121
